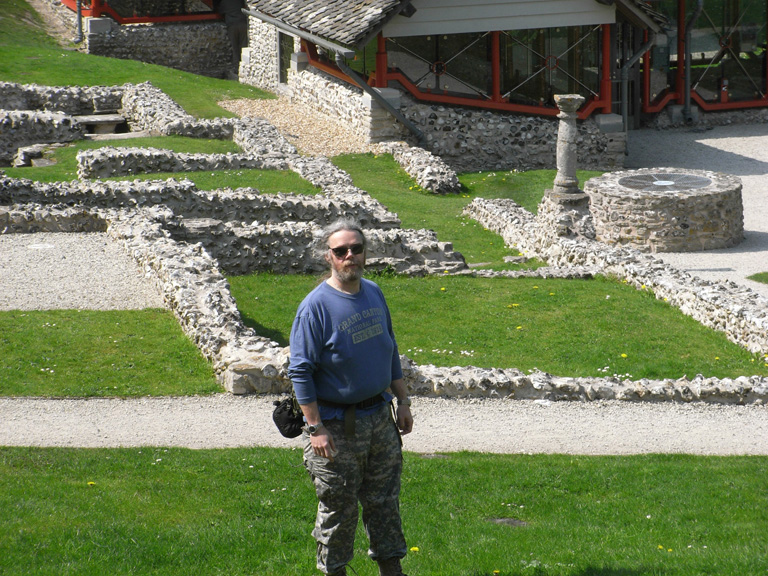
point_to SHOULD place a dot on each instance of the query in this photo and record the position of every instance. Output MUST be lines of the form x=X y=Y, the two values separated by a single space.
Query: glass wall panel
x=456 y=64
x=537 y=64
x=727 y=50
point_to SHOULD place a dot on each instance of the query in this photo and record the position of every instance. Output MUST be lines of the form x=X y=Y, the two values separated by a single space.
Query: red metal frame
x=676 y=94
x=99 y=8
x=384 y=75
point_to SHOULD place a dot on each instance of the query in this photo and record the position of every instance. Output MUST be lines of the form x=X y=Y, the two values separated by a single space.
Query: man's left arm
x=404 y=417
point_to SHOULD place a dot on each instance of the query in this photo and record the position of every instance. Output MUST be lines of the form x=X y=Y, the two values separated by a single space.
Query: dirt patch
x=53 y=25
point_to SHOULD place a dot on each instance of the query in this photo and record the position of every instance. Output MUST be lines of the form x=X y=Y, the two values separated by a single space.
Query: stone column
x=564 y=210
x=566 y=181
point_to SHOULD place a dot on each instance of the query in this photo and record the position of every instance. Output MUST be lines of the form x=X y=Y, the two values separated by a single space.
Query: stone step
x=119 y=136
x=100 y=123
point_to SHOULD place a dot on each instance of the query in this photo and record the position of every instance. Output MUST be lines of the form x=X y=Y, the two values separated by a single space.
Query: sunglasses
x=341 y=251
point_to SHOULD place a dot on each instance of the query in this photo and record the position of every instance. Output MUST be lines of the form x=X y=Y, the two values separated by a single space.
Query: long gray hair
x=346 y=224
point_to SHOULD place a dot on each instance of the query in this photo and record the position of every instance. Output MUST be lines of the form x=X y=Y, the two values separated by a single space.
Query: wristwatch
x=404 y=402
x=313 y=428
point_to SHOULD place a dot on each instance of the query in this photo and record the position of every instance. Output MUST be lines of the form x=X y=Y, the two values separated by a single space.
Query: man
x=237 y=26
x=344 y=361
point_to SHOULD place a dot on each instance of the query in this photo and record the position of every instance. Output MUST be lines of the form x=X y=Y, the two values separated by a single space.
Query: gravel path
x=441 y=425
x=311 y=132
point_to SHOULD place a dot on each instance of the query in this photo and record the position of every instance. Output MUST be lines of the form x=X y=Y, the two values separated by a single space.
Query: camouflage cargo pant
x=367 y=470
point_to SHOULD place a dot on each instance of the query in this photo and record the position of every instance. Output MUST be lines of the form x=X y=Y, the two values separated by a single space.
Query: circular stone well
x=667 y=209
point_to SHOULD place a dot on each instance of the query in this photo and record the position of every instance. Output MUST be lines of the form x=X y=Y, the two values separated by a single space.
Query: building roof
x=348 y=22
x=352 y=23
x=641 y=13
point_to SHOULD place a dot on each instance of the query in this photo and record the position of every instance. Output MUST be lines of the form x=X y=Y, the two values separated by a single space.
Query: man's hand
x=404 y=419
x=322 y=443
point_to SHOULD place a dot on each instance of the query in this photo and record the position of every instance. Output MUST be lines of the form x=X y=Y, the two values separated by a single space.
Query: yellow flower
x=519 y=327
x=442 y=289
x=623 y=355
x=91 y=483
x=414 y=548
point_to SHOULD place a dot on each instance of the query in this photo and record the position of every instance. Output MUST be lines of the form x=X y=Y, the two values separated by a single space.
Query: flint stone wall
x=71 y=100
x=197 y=47
x=259 y=63
x=243 y=205
x=667 y=221
x=429 y=171
x=199 y=295
x=20 y=128
x=195 y=289
x=109 y=162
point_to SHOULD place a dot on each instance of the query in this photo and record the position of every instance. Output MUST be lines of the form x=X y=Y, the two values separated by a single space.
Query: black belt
x=349 y=410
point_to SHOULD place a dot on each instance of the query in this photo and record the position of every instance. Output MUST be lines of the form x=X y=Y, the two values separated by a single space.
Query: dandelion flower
x=414 y=548
x=623 y=355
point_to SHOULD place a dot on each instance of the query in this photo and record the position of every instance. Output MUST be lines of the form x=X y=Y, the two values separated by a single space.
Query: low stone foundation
x=184 y=238
x=739 y=312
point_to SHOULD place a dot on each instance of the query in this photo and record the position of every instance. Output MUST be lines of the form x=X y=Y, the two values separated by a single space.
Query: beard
x=350 y=273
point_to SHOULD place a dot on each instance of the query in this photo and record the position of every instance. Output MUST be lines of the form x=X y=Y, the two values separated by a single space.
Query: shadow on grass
x=265 y=332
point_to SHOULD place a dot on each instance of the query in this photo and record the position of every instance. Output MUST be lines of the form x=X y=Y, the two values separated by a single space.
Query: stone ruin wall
x=259 y=62
x=197 y=47
x=172 y=230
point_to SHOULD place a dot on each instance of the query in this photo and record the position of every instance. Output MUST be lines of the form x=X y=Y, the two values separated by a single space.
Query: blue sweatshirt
x=343 y=348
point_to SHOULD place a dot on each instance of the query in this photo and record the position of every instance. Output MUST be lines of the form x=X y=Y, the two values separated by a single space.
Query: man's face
x=345 y=265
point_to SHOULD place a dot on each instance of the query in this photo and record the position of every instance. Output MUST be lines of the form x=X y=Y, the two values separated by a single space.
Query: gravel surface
x=311 y=132
x=48 y=271
x=441 y=425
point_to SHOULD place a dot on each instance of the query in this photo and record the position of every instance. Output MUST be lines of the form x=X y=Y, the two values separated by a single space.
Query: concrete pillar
x=299 y=61
x=566 y=181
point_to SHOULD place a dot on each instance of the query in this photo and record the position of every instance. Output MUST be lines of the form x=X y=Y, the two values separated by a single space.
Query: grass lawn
x=266 y=181
x=174 y=512
x=760 y=277
x=29 y=56
x=159 y=511
x=383 y=178
x=81 y=353
x=573 y=328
